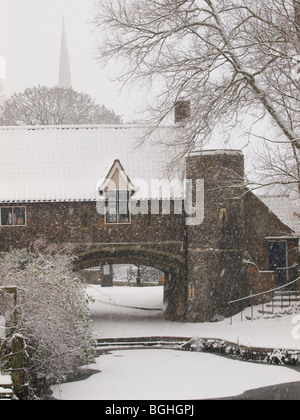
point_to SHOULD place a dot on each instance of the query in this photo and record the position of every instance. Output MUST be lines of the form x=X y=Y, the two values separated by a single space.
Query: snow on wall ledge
x=217 y=152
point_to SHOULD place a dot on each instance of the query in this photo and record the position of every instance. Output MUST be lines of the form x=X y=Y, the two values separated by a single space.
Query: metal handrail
x=265 y=293
x=286 y=268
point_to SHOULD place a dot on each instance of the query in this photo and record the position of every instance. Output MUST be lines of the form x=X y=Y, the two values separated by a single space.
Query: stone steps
x=106 y=344
x=6 y=391
x=281 y=300
x=284 y=300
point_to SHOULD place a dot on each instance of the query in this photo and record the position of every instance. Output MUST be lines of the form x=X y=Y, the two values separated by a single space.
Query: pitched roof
x=65 y=163
x=285 y=208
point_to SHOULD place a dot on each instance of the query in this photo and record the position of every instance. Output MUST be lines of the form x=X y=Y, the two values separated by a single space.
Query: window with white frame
x=117 y=207
x=13 y=216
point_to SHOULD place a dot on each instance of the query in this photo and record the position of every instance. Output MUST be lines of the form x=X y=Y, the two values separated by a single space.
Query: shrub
x=53 y=319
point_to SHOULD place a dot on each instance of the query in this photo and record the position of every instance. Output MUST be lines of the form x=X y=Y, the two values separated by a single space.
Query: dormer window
x=116 y=188
x=117 y=207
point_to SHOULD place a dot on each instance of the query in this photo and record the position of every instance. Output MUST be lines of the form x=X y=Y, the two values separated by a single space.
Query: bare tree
x=54 y=106
x=232 y=58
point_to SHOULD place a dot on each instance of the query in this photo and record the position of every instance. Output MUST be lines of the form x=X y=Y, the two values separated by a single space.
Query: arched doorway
x=173 y=267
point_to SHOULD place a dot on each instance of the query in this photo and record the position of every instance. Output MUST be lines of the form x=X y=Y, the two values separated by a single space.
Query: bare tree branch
x=229 y=57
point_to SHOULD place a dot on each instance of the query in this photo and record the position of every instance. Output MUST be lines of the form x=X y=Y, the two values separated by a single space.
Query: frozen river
x=171 y=375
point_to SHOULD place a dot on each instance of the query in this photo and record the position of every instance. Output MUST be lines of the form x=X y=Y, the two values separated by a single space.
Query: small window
x=191 y=291
x=223 y=215
x=13 y=216
x=117 y=207
x=85 y=221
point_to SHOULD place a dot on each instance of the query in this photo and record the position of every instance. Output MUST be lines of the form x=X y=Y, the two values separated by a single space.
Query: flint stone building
x=56 y=181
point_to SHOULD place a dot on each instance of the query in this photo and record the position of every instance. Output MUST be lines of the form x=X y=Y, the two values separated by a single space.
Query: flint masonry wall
x=215 y=267
x=80 y=223
x=203 y=264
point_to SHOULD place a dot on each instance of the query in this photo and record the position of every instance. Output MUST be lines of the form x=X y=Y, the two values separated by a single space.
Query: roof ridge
x=78 y=127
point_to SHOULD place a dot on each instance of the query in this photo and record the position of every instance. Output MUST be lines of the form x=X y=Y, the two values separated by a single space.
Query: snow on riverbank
x=115 y=314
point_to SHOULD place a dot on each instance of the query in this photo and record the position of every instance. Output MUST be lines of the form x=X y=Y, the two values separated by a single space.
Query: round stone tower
x=215 y=271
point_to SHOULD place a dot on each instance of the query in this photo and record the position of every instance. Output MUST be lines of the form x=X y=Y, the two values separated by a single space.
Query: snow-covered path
x=115 y=314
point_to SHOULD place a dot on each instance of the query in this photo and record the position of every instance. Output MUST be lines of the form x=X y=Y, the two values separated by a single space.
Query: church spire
x=64 y=78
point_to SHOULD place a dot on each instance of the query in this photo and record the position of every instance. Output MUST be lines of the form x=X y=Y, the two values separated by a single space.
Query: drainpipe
x=138 y=277
x=186 y=271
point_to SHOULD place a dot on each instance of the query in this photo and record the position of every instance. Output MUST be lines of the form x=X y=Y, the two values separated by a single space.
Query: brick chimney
x=182 y=109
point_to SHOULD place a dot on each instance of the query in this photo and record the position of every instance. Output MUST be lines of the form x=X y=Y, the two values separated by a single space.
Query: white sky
x=30 y=38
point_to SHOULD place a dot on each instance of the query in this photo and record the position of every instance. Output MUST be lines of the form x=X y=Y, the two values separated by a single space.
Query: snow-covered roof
x=285 y=208
x=65 y=163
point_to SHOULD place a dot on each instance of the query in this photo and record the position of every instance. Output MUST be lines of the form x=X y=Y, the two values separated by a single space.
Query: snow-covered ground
x=116 y=314
x=5 y=380
x=169 y=374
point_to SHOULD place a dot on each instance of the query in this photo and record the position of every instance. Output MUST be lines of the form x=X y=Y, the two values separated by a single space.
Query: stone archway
x=171 y=264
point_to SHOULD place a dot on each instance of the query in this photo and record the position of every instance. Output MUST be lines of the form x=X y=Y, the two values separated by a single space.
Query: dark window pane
x=111 y=218
x=6 y=217
x=85 y=221
x=19 y=216
x=123 y=218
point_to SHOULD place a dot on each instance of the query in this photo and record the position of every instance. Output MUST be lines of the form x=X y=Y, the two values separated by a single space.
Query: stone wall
x=260 y=281
x=65 y=223
x=216 y=248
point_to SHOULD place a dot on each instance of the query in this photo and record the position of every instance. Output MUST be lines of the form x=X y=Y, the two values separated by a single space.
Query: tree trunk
x=297 y=20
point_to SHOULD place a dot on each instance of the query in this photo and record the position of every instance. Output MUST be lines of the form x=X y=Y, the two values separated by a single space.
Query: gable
x=116 y=179
x=285 y=209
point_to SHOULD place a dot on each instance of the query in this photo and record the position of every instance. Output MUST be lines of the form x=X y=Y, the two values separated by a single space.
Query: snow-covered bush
x=53 y=316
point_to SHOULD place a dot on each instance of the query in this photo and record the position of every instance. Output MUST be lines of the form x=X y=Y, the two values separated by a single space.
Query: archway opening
x=136 y=287
x=167 y=266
